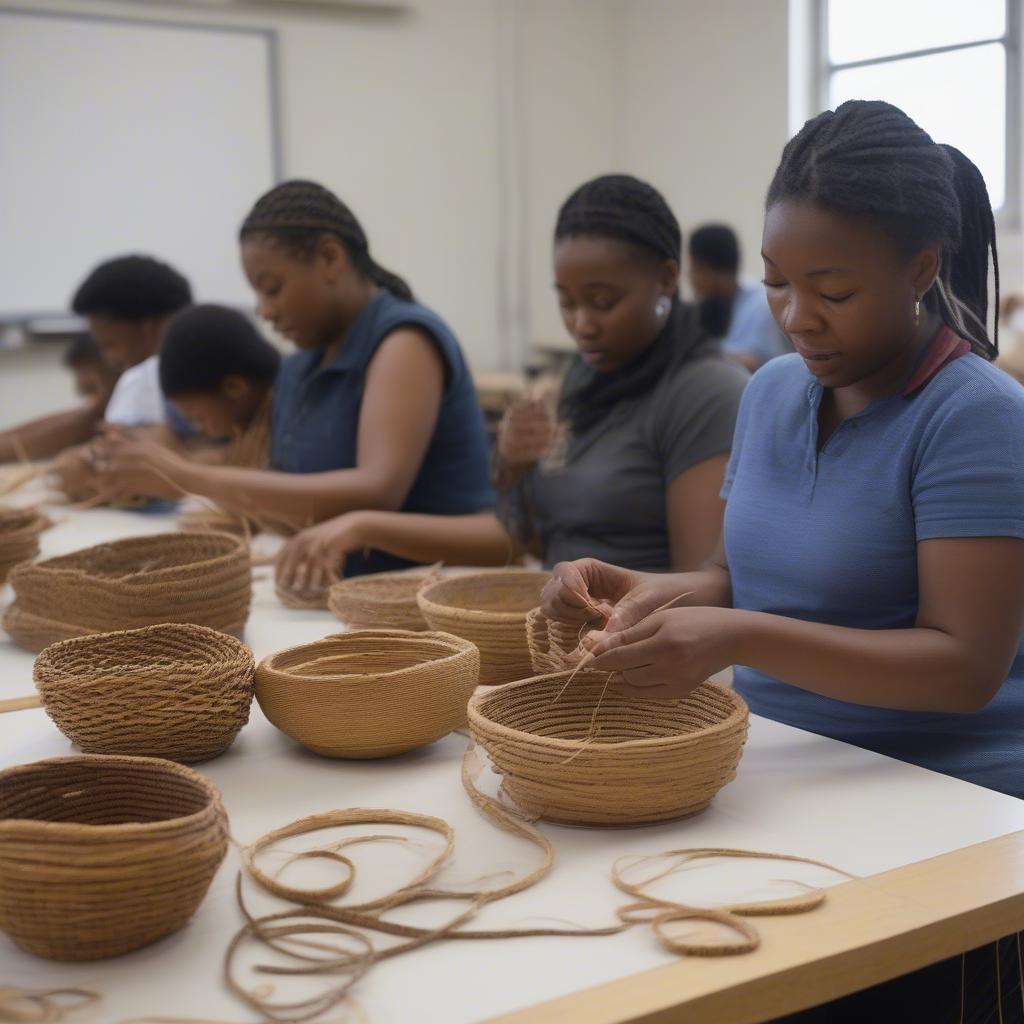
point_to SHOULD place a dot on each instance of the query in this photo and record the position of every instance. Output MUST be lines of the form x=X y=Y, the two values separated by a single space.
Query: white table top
x=795 y=793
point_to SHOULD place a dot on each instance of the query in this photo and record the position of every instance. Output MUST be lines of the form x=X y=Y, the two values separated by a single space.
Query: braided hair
x=868 y=159
x=297 y=214
x=623 y=207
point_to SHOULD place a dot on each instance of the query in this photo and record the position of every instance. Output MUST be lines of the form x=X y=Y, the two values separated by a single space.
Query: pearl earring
x=917 y=311
x=661 y=307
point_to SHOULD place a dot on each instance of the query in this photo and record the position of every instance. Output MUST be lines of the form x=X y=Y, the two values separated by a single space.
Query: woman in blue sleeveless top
x=377 y=409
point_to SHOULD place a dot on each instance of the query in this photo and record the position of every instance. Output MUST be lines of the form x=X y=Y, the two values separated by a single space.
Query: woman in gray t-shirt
x=649 y=405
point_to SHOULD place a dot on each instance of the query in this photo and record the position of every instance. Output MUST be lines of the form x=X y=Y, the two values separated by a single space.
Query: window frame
x=1008 y=216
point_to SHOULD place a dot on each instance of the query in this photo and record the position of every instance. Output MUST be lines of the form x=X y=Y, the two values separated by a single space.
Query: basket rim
x=35 y=521
x=343 y=589
x=59 y=648
x=480 y=723
x=432 y=607
x=14 y=826
x=460 y=648
x=69 y=573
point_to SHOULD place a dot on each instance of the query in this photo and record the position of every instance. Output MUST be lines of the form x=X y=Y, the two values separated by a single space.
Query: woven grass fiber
x=175 y=690
x=369 y=693
x=19 y=537
x=382 y=600
x=203 y=578
x=554 y=646
x=592 y=756
x=101 y=855
x=488 y=608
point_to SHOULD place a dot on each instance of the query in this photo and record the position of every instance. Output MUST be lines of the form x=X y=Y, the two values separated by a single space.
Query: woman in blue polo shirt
x=376 y=411
x=870 y=582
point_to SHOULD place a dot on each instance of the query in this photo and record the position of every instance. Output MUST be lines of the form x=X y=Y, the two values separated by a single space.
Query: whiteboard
x=125 y=136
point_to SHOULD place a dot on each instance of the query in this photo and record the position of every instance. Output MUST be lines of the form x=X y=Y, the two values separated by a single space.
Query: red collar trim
x=946 y=347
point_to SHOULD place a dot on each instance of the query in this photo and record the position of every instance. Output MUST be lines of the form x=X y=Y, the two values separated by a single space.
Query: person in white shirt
x=733 y=310
x=128 y=303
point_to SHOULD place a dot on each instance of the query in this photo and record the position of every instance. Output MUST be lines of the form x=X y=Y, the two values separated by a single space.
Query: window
x=950 y=64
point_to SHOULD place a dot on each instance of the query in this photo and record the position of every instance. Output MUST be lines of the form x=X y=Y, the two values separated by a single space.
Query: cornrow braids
x=298 y=214
x=623 y=207
x=868 y=159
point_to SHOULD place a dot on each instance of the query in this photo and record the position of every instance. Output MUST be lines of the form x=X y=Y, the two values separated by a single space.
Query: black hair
x=623 y=207
x=297 y=214
x=716 y=246
x=132 y=288
x=868 y=159
x=83 y=351
x=205 y=344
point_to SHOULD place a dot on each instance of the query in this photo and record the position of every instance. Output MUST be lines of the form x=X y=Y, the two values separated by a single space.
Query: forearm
x=49 y=435
x=707 y=587
x=296 y=499
x=915 y=669
x=478 y=539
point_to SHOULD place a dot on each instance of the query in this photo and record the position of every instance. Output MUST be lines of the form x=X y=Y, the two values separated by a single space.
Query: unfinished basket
x=380 y=600
x=490 y=609
x=595 y=757
x=102 y=855
x=203 y=578
x=554 y=646
x=19 y=537
x=369 y=693
x=175 y=690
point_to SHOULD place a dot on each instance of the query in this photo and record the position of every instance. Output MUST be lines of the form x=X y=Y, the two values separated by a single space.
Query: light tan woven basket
x=554 y=646
x=381 y=600
x=102 y=855
x=369 y=693
x=175 y=690
x=634 y=762
x=488 y=608
x=203 y=578
x=19 y=537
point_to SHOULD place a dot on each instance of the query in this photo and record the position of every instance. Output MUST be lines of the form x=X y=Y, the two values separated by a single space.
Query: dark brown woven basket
x=102 y=855
x=204 y=578
x=175 y=690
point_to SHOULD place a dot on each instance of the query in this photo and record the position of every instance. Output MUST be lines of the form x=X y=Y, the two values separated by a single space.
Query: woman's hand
x=127 y=468
x=588 y=590
x=525 y=433
x=669 y=654
x=314 y=559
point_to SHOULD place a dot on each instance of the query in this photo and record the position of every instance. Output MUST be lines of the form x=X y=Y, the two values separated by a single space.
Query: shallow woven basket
x=490 y=609
x=175 y=690
x=102 y=855
x=554 y=646
x=380 y=600
x=647 y=760
x=203 y=578
x=19 y=537
x=369 y=693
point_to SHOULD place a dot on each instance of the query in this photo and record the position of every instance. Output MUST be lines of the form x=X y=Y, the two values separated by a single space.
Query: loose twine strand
x=321 y=939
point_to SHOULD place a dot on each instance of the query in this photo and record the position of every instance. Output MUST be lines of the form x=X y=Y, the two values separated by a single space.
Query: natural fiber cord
x=19 y=537
x=204 y=578
x=101 y=855
x=175 y=690
x=586 y=754
x=489 y=609
x=383 y=600
x=369 y=693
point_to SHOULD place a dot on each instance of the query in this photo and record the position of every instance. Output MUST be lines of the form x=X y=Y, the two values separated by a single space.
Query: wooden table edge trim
x=868 y=931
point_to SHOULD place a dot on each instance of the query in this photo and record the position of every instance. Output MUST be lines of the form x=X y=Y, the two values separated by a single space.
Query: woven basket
x=554 y=646
x=203 y=578
x=490 y=609
x=102 y=855
x=380 y=600
x=175 y=690
x=369 y=693
x=648 y=760
x=19 y=537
